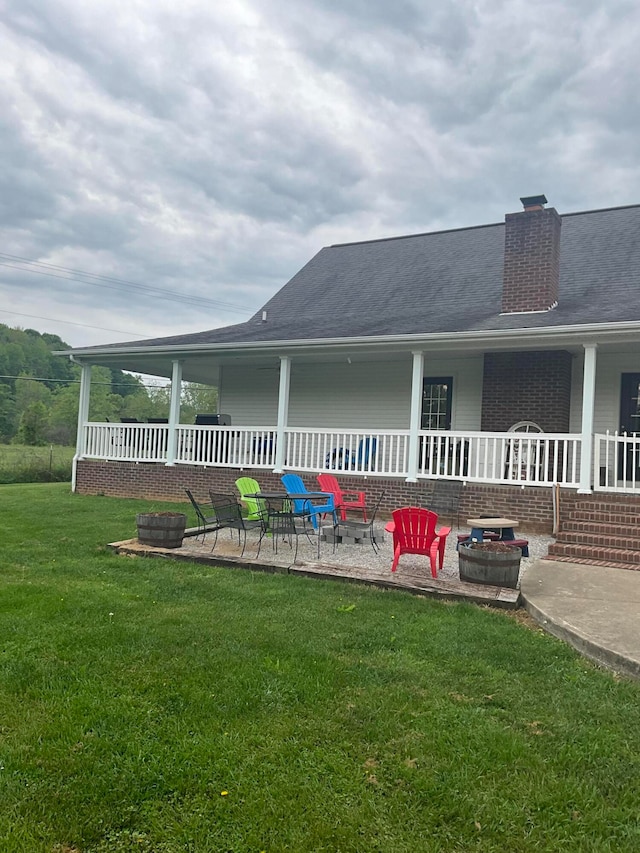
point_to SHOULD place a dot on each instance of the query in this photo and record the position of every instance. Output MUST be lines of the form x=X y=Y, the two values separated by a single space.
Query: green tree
x=197 y=398
x=8 y=414
x=29 y=391
x=63 y=415
x=33 y=425
x=125 y=384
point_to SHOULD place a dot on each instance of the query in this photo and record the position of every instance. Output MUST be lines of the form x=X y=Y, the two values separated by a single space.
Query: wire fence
x=23 y=464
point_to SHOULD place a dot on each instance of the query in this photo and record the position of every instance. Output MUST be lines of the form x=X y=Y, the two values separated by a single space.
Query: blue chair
x=366 y=453
x=294 y=485
x=343 y=459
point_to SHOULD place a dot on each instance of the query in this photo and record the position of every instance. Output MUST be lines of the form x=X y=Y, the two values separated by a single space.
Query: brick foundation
x=532 y=506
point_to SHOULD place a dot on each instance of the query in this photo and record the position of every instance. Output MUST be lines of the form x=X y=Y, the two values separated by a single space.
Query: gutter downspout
x=83 y=416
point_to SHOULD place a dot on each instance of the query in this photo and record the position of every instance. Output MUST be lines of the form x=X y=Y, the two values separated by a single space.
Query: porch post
x=283 y=411
x=83 y=417
x=174 y=411
x=588 y=403
x=416 y=412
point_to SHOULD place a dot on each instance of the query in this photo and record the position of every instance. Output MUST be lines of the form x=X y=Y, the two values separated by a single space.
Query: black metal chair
x=445 y=499
x=205 y=522
x=228 y=514
x=365 y=528
x=285 y=523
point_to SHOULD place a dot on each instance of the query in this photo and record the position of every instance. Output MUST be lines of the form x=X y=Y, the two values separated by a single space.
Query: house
x=505 y=355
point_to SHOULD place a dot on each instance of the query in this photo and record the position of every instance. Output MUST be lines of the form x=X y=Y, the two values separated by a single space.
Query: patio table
x=282 y=495
x=503 y=526
x=282 y=522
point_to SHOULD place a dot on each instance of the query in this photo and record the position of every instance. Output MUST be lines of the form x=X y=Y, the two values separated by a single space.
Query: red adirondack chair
x=415 y=533
x=328 y=483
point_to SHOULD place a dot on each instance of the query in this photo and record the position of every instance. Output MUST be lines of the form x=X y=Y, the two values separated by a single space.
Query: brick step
x=626 y=531
x=599 y=540
x=606 y=517
x=585 y=561
x=624 y=503
x=609 y=556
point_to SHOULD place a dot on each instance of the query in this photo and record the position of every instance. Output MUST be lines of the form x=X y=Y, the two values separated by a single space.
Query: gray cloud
x=212 y=149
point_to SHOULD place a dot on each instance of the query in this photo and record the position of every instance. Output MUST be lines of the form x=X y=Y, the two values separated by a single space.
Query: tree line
x=39 y=392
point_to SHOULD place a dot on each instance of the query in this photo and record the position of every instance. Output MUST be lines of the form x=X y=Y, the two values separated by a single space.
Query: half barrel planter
x=491 y=563
x=161 y=529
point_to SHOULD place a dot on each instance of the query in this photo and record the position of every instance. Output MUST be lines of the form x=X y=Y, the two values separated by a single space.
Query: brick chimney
x=531 y=258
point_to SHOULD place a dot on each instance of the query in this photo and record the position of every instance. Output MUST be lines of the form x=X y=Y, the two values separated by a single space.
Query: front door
x=629 y=461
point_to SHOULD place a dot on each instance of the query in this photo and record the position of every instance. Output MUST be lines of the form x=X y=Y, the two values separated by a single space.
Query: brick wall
x=531 y=260
x=526 y=386
x=532 y=506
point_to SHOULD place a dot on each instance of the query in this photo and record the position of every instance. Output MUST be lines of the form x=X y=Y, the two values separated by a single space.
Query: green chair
x=257 y=507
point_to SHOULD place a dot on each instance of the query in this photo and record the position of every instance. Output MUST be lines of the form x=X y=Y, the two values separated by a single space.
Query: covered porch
x=370 y=410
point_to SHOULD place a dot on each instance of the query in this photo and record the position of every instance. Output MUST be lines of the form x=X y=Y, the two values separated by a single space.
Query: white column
x=283 y=411
x=83 y=417
x=174 y=411
x=415 y=416
x=588 y=403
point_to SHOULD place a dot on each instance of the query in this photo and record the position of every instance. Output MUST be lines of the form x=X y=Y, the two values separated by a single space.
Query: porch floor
x=356 y=563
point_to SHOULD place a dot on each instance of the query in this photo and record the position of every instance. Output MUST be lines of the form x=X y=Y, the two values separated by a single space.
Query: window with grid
x=436 y=402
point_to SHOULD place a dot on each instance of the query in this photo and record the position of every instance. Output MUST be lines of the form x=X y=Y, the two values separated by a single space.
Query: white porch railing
x=227 y=447
x=523 y=458
x=616 y=463
x=126 y=442
x=538 y=459
x=200 y=445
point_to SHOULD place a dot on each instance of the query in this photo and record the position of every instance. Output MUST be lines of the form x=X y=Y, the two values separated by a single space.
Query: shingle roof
x=445 y=281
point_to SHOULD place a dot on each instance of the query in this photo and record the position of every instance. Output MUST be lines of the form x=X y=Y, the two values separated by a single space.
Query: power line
x=112 y=384
x=127 y=282
x=78 y=381
x=155 y=292
x=112 y=283
x=68 y=322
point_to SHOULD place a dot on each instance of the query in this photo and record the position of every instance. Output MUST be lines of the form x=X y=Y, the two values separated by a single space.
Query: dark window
x=436 y=402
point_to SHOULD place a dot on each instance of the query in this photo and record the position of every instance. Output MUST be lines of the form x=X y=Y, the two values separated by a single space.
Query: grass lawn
x=163 y=707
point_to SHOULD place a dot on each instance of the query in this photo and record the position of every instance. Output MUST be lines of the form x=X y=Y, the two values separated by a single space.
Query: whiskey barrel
x=161 y=529
x=478 y=563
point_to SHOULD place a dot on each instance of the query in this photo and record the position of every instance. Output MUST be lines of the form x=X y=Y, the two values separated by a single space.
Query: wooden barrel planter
x=492 y=563
x=161 y=529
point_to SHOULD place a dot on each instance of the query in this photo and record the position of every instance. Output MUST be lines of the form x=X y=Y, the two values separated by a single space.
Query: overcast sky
x=209 y=149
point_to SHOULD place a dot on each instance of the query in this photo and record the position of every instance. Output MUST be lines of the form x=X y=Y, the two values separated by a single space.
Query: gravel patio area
x=356 y=561
x=349 y=556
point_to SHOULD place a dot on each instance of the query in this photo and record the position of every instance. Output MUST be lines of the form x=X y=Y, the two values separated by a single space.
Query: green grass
x=22 y=464
x=135 y=691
